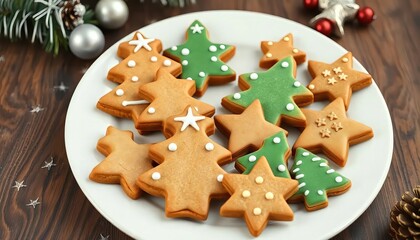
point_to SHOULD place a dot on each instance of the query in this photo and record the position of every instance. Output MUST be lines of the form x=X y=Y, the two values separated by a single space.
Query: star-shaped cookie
x=125 y=161
x=258 y=197
x=275 y=149
x=276 y=51
x=202 y=60
x=246 y=131
x=330 y=131
x=278 y=91
x=168 y=96
x=337 y=79
x=189 y=175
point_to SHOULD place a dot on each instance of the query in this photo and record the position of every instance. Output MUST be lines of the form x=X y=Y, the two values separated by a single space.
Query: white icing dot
x=154 y=59
x=296 y=170
x=311 y=86
x=286 y=39
x=257 y=211
x=285 y=64
x=185 y=51
x=269 y=55
x=253 y=76
x=212 y=48
x=172 y=147
x=189 y=78
x=276 y=140
x=345 y=60
x=131 y=63
x=213 y=59
x=174 y=48
x=259 y=179
x=330 y=171
x=252 y=158
x=339 y=179
x=298 y=163
x=316 y=159
x=290 y=106
x=299 y=176
x=185 y=62
x=305 y=154
x=209 y=146
x=222 y=47
x=119 y=92
x=202 y=74
x=302 y=185
x=281 y=168
x=297 y=84
x=246 y=193
x=134 y=78
x=151 y=110
x=156 y=176
x=237 y=96
x=167 y=63
x=306 y=192
x=220 y=177
x=270 y=43
x=323 y=164
x=269 y=196
x=320 y=192
x=295 y=50
x=224 y=68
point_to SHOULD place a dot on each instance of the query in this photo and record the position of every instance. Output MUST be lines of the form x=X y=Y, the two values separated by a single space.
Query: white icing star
x=36 y=109
x=18 y=185
x=196 y=28
x=189 y=120
x=61 y=87
x=33 y=203
x=141 y=42
x=49 y=165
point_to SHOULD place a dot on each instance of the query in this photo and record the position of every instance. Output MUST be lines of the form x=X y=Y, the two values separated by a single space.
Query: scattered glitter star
x=36 y=109
x=19 y=185
x=326 y=73
x=325 y=133
x=332 y=81
x=49 y=165
x=33 y=203
x=61 y=87
x=2 y=59
x=343 y=76
x=104 y=238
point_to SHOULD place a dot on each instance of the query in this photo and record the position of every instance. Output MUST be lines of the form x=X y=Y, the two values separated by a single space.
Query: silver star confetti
x=19 y=185
x=49 y=164
x=36 y=109
x=33 y=203
x=61 y=87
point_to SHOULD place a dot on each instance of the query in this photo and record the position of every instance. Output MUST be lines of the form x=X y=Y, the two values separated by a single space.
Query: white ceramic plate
x=145 y=219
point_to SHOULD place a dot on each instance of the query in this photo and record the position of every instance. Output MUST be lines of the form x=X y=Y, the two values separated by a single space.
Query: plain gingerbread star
x=337 y=79
x=278 y=91
x=276 y=51
x=189 y=175
x=202 y=60
x=168 y=96
x=322 y=134
x=258 y=197
x=246 y=131
x=125 y=161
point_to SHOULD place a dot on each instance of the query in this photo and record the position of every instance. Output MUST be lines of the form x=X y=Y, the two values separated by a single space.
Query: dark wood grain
x=388 y=49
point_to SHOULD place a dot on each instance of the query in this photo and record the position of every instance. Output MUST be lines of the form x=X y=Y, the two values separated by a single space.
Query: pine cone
x=405 y=216
x=72 y=12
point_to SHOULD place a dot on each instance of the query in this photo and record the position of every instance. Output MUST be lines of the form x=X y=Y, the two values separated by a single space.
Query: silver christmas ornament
x=111 y=14
x=337 y=11
x=86 y=41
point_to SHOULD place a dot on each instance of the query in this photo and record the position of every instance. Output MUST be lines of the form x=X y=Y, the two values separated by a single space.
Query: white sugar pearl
x=276 y=140
x=285 y=64
x=189 y=78
x=174 y=48
x=311 y=86
x=259 y=179
x=269 y=55
x=220 y=177
x=295 y=50
x=297 y=84
x=339 y=179
x=131 y=63
x=270 y=43
x=237 y=96
x=281 y=168
x=257 y=211
x=156 y=176
x=119 y=92
x=305 y=154
x=167 y=63
x=290 y=107
x=246 y=193
x=320 y=192
x=213 y=59
x=224 y=68
x=222 y=47
x=286 y=39
x=134 y=78
x=209 y=146
x=185 y=51
x=153 y=59
x=185 y=62
x=253 y=76
x=212 y=48
x=252 y=158
x=172 y=147
x=151 y=110
x=269 y=196
x=202 y=74
x=306 y=192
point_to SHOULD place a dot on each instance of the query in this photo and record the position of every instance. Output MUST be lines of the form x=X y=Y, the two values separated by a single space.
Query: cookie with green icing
x=275 y=149
x=202 y=60
x=278 y=91
x=317 y=180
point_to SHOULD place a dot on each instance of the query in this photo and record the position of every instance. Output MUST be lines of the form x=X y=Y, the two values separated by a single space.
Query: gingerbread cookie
x=258 y=197
x=337 y=79
x=276 y=51
x=330 y=131
x=317 y=180
x=125 y=161
x=189 y=174
x=275 y=149
x=202 y=60
x=246 y=131
x=168 y=96
x=279 y=93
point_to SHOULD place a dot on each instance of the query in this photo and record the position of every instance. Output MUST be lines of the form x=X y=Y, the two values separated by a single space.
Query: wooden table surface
x=29 y=140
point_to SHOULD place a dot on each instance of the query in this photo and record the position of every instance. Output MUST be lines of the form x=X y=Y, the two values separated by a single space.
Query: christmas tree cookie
x=189 y=174
x=337 y=79
x=276 y=51
x=125 y=161
x=202 y=60
x=317 y=180
x=279 y=93
x=275 y=149
x=258 y=197
x=330 y=131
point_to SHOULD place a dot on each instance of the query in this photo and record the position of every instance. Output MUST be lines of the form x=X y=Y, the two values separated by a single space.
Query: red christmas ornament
x=310 y=4
x=365 y=15
x=324 y=26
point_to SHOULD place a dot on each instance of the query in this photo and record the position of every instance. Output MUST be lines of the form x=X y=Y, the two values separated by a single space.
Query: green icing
x=275 y=89
x=200 y=57
x=317 y=178
x=273 y=152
